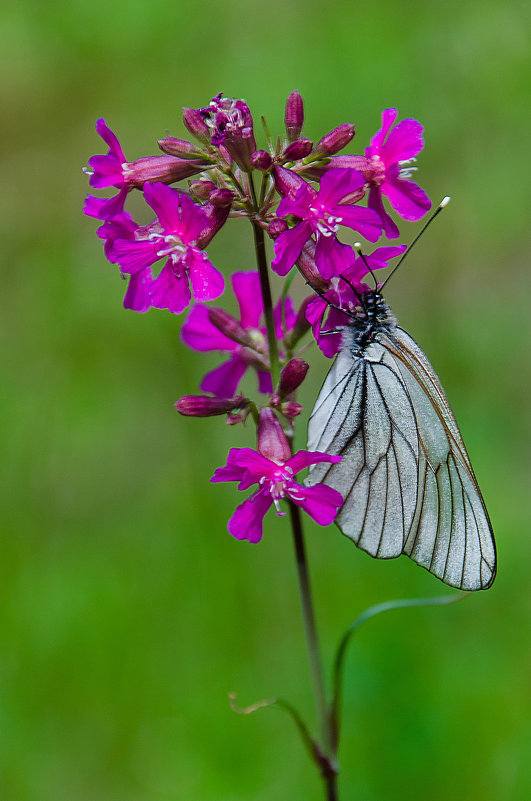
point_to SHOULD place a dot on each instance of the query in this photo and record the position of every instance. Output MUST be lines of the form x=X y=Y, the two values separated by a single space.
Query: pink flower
x=180 y=224
x=231 y=124
x=112 y=169
x=275 y=477
x=388 y=167
x=249 y=349
x=346 y=294
x=321 y=213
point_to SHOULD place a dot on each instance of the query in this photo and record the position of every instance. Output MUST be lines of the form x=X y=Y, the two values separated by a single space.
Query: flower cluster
x=304 y=196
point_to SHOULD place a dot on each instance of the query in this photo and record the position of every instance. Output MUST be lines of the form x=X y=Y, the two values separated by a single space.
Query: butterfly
x=405 y=475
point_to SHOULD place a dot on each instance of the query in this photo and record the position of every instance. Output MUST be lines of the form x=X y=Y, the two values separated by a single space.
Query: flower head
x=174 y=237
x=112 y=169
x=231 y=124
x=274 y=475
x=388 y=166
x=245 y=340
x=320 y=214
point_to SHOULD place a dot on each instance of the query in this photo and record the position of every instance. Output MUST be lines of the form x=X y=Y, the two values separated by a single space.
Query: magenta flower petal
x=223 y=380
x=303 y=459
x=304 y=197
x=265 y=382
x=138 y=294
x=255 y=463
x=105 y=208
x=246 y=522
x=407 y=199
x=288 y=246
x=193 y=220
x=165 y=203
x=134 y=255
x=375 y=202
x=170 y=290
x=230 y=472
x=200 y=334
x=110 y=139
x=404 y=141
x=246 y=286
x=320 y=502
x=337 y=184
x=366 y=221
x=284 y=318
x=207 y=282
x=106 y=171
x=388 y=118
x=331 y=256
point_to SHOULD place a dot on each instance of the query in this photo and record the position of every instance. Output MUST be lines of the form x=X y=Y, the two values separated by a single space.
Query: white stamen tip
x=444 y=202
x=357 y=246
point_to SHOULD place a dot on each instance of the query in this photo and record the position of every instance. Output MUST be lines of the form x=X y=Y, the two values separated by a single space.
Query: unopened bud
x=291 y=409
x=216 y=211
x=222 y=198
x=261 y=160
x=294 y=116
x=202 y=189
x=276 y=227
x=229 y=326
x=336 y=140
x=298 y=149
x=207 y=406
x=292 y=377
x=287 y=182
x=166 y=169
x=272 y=442
x=179 y=147
x=196 y=124
x=308 y=268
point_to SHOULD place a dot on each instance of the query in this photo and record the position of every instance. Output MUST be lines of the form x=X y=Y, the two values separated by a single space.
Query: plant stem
x=261 y=260
x=329 y=770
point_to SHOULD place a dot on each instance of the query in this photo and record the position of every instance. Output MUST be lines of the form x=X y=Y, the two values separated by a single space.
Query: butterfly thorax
x=375 y=316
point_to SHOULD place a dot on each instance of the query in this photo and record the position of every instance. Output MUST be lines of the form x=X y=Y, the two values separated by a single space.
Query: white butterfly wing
x=405 y=476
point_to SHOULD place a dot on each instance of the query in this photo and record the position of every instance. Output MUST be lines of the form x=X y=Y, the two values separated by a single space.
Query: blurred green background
x=127 y=613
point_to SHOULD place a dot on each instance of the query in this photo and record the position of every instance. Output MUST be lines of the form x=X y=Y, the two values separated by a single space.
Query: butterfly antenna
x=358 y=249
x=331 y=305
x=444 y=202
x=355 y=291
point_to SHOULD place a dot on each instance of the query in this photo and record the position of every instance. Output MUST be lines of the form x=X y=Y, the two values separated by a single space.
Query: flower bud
x=217 y=211
x=287 y=182
x=277 y=226
x=222 y=198
x=291 y=409
x=336 y=140
x=207 y=406
x=272 y=442
x=180 y=148
x=292 y=377
x=261 y=160
x=308 y=268
x=196 y=125
x=202 y=189
x=166 y=169
x=294 y=116
x=229 y=326
x=298 y=149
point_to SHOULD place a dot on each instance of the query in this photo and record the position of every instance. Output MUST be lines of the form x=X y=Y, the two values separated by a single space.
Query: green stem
x=329 y=770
